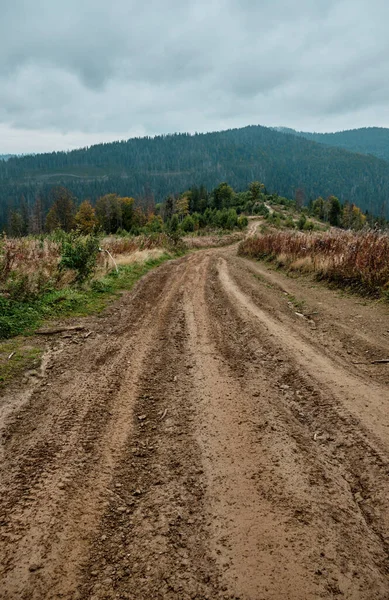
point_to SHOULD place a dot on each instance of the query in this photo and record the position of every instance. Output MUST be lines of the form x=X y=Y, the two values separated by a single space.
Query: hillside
x=5 y=156
x=368 y=140
x=170 y=164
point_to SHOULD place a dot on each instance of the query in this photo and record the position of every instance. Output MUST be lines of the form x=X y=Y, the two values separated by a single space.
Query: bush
x=301 y=222
x=243 y=222
x=79 y=253
x=187 y=224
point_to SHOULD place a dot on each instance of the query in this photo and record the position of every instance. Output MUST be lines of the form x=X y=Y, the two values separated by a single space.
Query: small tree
x=86 y=219
x=79 y=254
x=62 y=212
x=15 y=224
x=188 y=224
x=335 y=211
x=256 y=189
x=173 y=224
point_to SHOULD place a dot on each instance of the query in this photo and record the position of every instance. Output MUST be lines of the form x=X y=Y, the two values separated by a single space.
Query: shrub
x=79 y=253
x=242 y=222
x=187 y=224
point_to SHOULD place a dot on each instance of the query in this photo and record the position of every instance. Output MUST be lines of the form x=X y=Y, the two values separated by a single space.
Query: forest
x=366 y=140
x=195 y=209
x=150 y=169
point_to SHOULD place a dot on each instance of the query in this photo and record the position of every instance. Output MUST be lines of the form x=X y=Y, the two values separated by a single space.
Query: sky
x=81 y=72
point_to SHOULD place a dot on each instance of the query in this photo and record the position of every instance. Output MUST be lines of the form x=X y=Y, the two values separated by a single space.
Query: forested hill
x=170 y=164
x=368 y=140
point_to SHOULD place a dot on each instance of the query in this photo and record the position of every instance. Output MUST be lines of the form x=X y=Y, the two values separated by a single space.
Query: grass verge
x=23 y=318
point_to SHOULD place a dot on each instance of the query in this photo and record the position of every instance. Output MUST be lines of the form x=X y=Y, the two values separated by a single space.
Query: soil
x=219 y=432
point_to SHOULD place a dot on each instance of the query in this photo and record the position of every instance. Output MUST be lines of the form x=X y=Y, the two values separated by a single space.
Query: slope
x=367 y=140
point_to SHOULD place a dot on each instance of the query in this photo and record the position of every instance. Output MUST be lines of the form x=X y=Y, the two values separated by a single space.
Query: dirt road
x=221 y=433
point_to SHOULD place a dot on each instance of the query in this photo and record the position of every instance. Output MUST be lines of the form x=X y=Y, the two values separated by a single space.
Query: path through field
x=221 y=433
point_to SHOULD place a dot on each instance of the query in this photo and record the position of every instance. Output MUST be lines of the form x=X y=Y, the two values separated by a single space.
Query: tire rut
x=195 y=447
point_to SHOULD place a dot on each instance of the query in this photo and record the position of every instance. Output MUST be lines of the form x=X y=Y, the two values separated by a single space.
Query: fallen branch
x=59 y=330
x=380 y=362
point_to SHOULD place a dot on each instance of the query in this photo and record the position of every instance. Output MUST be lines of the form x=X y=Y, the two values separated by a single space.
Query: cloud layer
x=79 y=72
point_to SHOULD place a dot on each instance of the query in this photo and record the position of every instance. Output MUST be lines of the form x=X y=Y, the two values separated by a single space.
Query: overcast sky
x=77 y=72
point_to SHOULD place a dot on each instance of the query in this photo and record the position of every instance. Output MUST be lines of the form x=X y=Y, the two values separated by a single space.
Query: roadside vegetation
x=72 y=257
x=355 y=260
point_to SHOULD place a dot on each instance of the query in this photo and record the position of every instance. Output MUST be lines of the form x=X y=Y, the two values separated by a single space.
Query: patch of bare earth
x=204 y=441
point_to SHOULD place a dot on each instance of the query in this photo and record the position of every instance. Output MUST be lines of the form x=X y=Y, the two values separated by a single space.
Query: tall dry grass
x=29 y=266
x=354 y=259
x=126 y=245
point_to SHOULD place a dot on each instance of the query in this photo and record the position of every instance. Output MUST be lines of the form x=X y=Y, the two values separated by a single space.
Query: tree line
x=192 y=210
x=155 y=167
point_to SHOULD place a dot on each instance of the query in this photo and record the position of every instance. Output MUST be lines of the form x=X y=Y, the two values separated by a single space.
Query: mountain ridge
x=364 y=140
x=168 y=164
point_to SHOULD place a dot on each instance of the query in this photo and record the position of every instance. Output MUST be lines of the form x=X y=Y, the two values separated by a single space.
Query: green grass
x=23 y=318
x=15 y=357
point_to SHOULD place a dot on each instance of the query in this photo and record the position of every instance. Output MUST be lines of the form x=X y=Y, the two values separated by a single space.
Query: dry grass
x=29 y=266
x=31 y=263
x=359 y=260
x=127 y=245
x=212 y=241
x=139 y=256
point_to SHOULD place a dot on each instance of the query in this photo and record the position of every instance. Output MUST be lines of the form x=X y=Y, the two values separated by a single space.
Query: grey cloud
x=93 y=67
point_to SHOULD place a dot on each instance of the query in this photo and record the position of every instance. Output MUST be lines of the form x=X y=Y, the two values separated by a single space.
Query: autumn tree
x=139 y=219
x=352 y=217
x=86 y=219
x=182 y=207
x=62 y=212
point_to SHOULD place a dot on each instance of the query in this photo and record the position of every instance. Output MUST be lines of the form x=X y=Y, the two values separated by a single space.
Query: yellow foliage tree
x=86 y=218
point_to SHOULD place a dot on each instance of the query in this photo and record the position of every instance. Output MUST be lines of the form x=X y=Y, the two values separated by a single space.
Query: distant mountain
x=368 y=140
x=5 y=156
x=167 y=164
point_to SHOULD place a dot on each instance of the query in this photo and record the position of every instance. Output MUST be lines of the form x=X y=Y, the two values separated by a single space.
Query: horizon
x=192 y=133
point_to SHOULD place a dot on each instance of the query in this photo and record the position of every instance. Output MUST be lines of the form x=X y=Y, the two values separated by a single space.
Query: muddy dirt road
x=221 y=433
